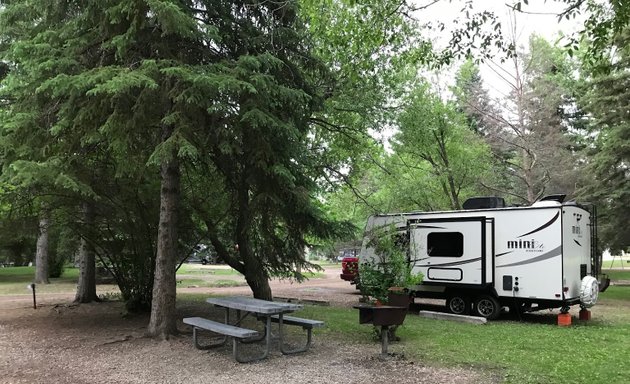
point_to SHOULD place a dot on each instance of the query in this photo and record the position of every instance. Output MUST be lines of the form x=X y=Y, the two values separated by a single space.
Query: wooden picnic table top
x=254 y=305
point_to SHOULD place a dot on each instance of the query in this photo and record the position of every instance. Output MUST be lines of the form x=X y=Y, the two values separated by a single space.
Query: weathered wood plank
x=254 y=305
x=291 y=320
x=223 y=329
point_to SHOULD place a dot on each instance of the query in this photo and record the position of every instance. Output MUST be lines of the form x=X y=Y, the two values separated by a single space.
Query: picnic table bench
x=265 y=311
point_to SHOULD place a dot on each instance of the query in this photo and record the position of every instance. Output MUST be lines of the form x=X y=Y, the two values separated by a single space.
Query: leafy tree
x=606 y=179
x=434 y=138
x=217 y=87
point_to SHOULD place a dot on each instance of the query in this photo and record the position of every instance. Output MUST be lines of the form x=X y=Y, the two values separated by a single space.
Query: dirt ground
x=94 y=343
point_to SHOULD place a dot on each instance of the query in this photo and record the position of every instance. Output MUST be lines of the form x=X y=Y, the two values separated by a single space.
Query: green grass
x=617 y=263
x=214 y=270
x=616 y=293
x=209 y=283
x=188 y=269
x=534 y=350
x=617 y=274
x=13 y=281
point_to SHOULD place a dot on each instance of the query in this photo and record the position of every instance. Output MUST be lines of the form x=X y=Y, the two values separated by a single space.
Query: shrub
x=390 y=266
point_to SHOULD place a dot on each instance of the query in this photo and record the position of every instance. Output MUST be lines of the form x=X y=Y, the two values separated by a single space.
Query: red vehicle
x=350 y=269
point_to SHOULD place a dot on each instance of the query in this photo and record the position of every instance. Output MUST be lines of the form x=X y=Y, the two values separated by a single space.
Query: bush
x=56 y=265
x=389 y=268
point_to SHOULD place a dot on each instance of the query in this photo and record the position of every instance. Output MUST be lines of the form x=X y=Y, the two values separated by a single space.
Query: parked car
x=201 y=259
x=350 y=269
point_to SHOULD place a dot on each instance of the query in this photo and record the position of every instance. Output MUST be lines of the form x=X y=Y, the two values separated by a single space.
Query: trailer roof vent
x=558 y=197
x=550 y=201
x=484 y=202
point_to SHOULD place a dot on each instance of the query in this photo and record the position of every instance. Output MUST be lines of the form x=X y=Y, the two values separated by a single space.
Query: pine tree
x=222 y=90
x=606 y=181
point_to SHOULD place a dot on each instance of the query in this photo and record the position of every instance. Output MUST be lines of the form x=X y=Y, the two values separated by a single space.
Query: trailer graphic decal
x=543 y=226
x=528 y=245
x=549 y=255
x=453 y=263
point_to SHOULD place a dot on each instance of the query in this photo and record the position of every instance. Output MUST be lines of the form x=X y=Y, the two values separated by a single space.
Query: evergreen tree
x=606 y=180
x=223 y=90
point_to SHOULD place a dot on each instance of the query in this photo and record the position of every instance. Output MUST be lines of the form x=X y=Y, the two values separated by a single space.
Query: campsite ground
x=64 y=343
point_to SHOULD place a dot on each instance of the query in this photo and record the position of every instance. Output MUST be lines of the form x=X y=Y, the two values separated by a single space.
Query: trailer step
x=453 y=317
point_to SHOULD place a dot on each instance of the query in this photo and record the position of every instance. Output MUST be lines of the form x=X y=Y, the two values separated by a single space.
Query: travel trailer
x=489 y=256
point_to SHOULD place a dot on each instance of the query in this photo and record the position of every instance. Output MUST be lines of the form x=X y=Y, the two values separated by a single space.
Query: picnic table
x=262 y=310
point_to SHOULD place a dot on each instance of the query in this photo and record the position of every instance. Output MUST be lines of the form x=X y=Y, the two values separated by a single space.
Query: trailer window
x=445 y=244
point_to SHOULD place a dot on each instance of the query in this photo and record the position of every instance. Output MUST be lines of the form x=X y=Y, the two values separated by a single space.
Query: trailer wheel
x=487 y=306
x=458 y=305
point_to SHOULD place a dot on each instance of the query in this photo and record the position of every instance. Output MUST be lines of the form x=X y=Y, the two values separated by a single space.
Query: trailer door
x=452 y=250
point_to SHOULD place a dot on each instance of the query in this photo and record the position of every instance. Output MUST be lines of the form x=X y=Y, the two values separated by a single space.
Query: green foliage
x=437 y=162
x=606 y=181
x=56 y=264
x=604 y=21
x=390 y=266
x=434 y=139
x=62 y=250
x=94 y=88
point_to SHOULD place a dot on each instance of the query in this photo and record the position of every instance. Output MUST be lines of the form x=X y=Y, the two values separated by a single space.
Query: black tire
x=487 y=306
x=204 y=261
x=458 y=305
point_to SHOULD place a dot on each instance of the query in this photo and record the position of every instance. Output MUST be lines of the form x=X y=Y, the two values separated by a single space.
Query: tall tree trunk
x=162 y=323
x=259 y=284
x=41 y=255
x=254 y=272
x=86 y=289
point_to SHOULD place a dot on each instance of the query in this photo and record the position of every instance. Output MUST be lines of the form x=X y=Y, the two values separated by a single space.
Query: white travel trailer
x=488 y=256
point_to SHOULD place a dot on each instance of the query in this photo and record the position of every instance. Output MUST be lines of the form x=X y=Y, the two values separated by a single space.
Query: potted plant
x=384 y=282
x=386 y=278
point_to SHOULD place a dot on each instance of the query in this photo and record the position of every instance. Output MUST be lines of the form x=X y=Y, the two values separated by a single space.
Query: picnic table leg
x=208 y=346
x=236 y=342
x=299 y=349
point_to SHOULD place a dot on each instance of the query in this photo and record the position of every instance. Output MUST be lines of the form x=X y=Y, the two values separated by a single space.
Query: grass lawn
x=617 y=274
x=216 y=275
x=534 y=350
x=13 y=281
x=212 y=269
x=617 y=263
